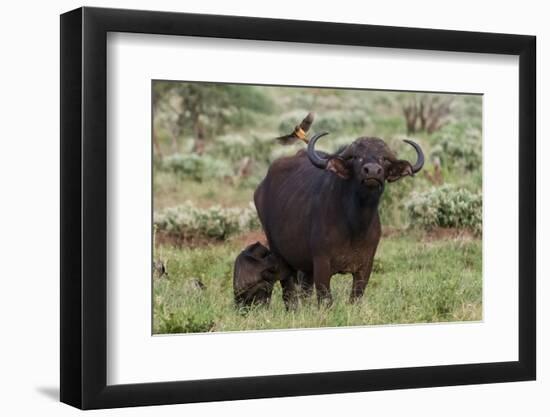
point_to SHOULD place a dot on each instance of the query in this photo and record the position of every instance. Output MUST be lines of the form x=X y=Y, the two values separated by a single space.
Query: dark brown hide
x=254 y=274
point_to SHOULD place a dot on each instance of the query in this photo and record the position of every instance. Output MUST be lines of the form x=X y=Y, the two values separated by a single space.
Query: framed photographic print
x=257 y=208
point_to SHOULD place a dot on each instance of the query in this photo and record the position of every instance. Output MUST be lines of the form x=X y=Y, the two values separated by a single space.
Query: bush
x=447 y=206
x=291 y=119
x=190 y=222
x=250 y=98
x=196 y=167
x=236 y=147
x=392 y=211
x=335 y=122
x=459 y=146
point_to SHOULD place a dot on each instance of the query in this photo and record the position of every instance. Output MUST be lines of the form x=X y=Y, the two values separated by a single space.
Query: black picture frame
x=84 y=207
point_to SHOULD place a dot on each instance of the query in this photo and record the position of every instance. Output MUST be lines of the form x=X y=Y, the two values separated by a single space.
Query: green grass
x=171 y=191
x=416 y=279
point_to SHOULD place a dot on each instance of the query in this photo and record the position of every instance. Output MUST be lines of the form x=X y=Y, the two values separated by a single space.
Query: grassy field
x=204 y=194
x=436 y=280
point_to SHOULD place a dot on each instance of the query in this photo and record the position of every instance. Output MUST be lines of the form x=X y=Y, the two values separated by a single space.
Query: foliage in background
x=191 y=222
x=204 y=109
x=447 y=206
x=330 y=121
x=464 y=154
x=426 y=112
x=195 y=167
x=235 y=147
x=236 y=125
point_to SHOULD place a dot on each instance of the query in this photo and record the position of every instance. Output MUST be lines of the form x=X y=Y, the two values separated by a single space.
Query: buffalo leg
x=305 y=282
x=288 y=285
x=361 y=277
x=360 y=281
x=289 y=292
x=321 y=278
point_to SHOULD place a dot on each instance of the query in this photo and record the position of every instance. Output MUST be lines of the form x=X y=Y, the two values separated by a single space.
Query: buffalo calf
x=255 y=272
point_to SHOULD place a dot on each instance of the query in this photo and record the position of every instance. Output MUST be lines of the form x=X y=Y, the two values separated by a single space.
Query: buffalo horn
x=420 y=156
x=313 y=156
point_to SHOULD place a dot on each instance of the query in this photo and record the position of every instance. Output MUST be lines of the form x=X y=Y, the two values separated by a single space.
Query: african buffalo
x=320 y=212
x=255 y=271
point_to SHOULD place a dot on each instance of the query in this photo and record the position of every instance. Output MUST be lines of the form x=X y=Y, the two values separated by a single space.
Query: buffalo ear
x=398 y=170
x=339 y=167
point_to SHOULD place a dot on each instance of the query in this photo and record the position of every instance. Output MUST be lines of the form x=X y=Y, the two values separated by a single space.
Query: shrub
x=387 y=126
x=291 y=119
x=335 y=122
x=330 y=123
x=447 y=206
x=392 y=212
x=250 y=98
x=236 y=147
x=189 y=222
x=196 y=167
x=459 y=146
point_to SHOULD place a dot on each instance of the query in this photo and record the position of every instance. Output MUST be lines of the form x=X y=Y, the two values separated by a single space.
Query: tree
x=426 y=112
x=204 y=109
x=165 y=113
